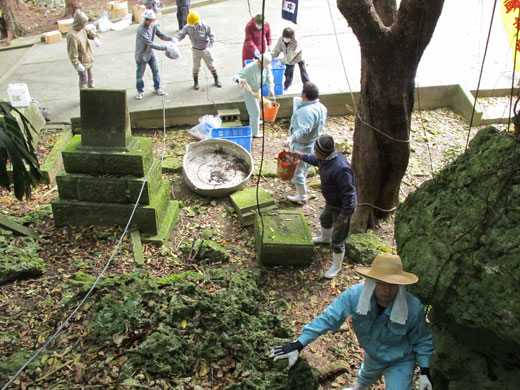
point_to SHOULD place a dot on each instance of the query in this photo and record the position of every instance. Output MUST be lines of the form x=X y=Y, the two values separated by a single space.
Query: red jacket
x=254 y=40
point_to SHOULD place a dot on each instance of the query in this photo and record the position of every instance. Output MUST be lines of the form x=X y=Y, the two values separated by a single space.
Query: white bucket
x=19 y=94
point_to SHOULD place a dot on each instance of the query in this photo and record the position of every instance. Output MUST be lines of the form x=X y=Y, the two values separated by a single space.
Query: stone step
x=168 y=223
x=245 y=205
x=135 y=162
x=102 y=189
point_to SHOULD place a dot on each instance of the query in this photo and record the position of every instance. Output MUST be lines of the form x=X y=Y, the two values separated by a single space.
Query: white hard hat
x=149 y=14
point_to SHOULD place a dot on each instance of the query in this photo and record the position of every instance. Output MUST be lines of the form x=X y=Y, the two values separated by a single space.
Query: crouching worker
x=389 y=324
x=79 y=50
x=339 y=191
x=202 y=39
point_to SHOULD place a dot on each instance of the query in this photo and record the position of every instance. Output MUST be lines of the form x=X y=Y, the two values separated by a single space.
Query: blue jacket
x=337 y=181
x=384 y=341
x=307 y=122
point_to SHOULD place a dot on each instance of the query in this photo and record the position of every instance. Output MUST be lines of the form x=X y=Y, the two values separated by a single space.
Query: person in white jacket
x=292 y=55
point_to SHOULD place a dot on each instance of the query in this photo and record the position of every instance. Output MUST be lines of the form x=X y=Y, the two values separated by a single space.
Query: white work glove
x=269 y=48
x=175 y=40
x=271 y=93
x=80 y=68
x=424 y=383
x=97 y=42
x=287 y=143
x=289 y=351
x=257 y=53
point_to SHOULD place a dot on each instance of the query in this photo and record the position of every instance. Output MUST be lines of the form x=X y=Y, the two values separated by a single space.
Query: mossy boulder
x=363 y=248
x=18 y=257
x=214 y=327
x=459 y=233
x=205 y=251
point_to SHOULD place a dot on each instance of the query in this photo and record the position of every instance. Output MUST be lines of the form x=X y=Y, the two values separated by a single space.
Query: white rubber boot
x=324 y=237
x=337 y=260
x=301 y=193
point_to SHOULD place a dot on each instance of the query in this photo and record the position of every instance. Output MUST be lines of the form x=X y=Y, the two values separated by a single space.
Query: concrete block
x=135 y=162
x=283 y=239
x=16 y=228
x=105 y=122
x=54 y=162
x=245 y=205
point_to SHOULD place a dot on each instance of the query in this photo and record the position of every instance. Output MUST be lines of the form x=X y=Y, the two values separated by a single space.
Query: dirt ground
x=36 y=20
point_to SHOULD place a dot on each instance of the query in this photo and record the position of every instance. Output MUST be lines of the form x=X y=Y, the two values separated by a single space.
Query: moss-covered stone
x=363 y=248
x=11 y=364
x=246 y=204
x=194 y=321
x=205 y=251
x=18 y=257
x=459 y=233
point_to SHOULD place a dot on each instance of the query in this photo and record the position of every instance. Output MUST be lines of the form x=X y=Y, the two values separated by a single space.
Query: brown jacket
x=78 y=45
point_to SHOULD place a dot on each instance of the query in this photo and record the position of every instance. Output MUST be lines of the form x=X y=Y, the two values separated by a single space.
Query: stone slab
x=168 y=224
x=172 y=164
x=135 y=162
x=283 y=239
x=54 y=162
x=105 y=122
x=102 y=189
x=16 y=228
x=135 y=237
x=246 y=207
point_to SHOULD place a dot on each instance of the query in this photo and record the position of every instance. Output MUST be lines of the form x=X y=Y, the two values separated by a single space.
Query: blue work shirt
x=307 y=122
x=251 y=73
x=386 y=342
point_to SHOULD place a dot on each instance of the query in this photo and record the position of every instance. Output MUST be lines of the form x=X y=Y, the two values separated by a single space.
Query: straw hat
x=388 y=268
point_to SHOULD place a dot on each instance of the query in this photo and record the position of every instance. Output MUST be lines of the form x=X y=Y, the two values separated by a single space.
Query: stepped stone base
x=148 y=218
x=245 y=206
x=283 y=239
x=135 y=162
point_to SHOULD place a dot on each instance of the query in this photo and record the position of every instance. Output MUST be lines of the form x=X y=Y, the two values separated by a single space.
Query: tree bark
x=392 y=42
x=12 y=28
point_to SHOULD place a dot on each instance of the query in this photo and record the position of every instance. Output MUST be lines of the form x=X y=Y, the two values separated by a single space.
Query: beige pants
x=199 y=55
x=86 y=78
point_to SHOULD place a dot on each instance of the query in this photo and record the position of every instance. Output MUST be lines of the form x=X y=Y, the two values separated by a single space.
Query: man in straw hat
x=389 y=324
x=339 y=190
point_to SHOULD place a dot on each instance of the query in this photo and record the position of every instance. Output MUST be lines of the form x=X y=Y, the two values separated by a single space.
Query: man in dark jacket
x=183 y=8
x=339 y=190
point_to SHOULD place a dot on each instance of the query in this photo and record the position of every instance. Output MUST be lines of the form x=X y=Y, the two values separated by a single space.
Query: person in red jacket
x=253 y=46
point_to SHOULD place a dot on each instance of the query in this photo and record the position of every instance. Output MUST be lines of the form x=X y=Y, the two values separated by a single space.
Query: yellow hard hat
x=193 y=18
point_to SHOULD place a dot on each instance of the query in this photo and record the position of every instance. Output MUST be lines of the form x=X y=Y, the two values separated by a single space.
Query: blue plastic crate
x=240 y=135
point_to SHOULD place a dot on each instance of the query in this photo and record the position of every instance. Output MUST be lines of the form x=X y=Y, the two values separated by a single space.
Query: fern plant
x=16 y=148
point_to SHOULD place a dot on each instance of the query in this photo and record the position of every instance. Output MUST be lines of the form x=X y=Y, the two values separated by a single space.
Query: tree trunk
x=11 y=26
x=392 y=43
x=70 y=8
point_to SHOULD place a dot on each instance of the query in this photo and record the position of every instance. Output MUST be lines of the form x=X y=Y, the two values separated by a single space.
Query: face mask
x=258 y=26
x=286 y=40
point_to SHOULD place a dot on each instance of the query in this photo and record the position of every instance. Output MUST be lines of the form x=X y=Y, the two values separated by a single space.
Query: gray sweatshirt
x=144 y=42
x=201 y=36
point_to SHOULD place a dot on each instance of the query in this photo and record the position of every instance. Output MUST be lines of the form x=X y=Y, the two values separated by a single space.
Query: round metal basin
x=216 y=167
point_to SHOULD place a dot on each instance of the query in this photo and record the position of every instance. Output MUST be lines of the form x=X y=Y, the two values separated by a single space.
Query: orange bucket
x=270 y=111
x=286 y=165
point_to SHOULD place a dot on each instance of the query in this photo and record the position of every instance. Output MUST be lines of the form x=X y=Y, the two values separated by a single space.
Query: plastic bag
x=104 y=24
x=123 y=23
x=172 y=51
x=203 y=130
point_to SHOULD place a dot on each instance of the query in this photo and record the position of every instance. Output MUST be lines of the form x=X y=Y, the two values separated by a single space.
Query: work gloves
x=289 y=351
x=257 y=53
x=424 y=383
x=80 y=67
x=297 y=155
x=287 y=143
x=97 y=42
x=271 y=93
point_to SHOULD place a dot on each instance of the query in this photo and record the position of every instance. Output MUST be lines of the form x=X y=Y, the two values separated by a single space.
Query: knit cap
x=324 y=145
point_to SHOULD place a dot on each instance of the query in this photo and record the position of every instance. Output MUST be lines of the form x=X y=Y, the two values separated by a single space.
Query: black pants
x=182 y=15
x=289 y=72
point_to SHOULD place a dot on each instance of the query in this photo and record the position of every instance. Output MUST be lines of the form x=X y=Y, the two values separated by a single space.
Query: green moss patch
x=364 y=247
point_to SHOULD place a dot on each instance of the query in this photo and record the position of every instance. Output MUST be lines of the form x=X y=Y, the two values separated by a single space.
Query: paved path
x=331 y=51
